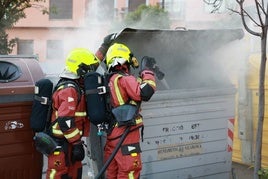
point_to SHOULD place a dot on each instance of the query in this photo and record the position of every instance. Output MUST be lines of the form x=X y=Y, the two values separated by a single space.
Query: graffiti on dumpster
x=11 y=125
x=178 y=140
x=179 y=150
x=181 y=127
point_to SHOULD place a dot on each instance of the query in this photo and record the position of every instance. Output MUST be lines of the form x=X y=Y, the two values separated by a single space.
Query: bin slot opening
x=9 y=72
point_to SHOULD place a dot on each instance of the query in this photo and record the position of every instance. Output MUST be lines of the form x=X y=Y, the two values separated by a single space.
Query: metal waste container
x=18 y=157
x=189 y=121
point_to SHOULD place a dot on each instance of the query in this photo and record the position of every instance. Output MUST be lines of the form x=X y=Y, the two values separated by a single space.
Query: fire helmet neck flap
x=78 y=62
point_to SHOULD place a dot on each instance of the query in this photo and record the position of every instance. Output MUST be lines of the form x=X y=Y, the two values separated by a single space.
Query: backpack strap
x=43 y=100
x=62 y=84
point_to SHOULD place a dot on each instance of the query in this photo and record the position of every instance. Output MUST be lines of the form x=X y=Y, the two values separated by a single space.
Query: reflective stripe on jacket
x=125 y=88
x=66 y=104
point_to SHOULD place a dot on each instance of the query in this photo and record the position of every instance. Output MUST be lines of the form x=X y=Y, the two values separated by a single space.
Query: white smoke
x=92 y=28
x=232 y=59
x=99 y=22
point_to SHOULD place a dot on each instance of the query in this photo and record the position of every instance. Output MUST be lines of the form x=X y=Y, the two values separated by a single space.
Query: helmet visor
x=116 y=61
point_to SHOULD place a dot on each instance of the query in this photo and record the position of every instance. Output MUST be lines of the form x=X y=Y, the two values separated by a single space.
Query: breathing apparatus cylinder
x=44 y=143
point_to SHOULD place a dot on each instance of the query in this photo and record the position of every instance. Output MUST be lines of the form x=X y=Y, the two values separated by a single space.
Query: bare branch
x=240 y=1
x=266 y=24
x=209 y=2
x=243 y=12
x=216 y=4
x=251 y=18
x=262 y=8
x=234 y=11
x=258 y=12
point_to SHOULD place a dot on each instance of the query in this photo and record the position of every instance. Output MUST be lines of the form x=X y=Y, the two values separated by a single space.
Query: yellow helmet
x=78 y=62
x=119 y=54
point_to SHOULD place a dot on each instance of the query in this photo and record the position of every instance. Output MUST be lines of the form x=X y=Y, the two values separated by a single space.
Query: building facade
x=83 y=23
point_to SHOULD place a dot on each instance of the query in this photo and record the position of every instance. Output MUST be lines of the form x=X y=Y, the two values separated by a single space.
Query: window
x=133 y=5
x=104 y=10
x=25 y=47
x=61 y=9
x=174 y=8
x=54 y=49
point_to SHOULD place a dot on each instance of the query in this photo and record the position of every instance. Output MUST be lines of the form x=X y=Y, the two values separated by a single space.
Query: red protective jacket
x=69 y=103
x=126 y=89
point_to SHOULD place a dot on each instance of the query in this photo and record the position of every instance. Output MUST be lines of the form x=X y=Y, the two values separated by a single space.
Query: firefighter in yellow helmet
x=69 y=122
x=127 y=93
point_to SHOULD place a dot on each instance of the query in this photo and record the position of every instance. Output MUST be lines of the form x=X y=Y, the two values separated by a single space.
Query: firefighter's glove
x=78 y=151
x=147 y=63
x=107 y=42
x=109 y=39
x=159 y=74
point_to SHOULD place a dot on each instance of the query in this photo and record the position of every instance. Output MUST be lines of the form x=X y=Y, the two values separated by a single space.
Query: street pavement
x=238 y=171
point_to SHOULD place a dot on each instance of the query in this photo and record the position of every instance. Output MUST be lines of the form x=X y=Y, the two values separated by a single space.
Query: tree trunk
x=257 y=165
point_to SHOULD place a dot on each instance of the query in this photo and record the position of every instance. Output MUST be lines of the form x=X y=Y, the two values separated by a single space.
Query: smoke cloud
x=189 y=59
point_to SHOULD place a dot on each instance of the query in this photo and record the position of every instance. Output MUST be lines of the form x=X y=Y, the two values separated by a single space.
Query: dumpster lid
x=18 y=74
x=185 y=56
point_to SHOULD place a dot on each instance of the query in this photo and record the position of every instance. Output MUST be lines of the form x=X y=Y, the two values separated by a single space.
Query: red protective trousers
x=61 y=167
x=67 y=106
x=123 y=166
